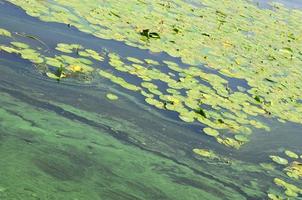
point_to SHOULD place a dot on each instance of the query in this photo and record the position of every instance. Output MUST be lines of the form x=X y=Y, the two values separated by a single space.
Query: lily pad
x=211 y=132
x=205 y=153
x=241 y=138
x=5 y=32
x=112 y=96
x=279 y=160
x=291 y=154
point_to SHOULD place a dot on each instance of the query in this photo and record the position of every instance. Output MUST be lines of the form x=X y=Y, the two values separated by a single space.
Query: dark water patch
x=64 y=164
x=59 y=168
x=266 y=4
x=263 y=143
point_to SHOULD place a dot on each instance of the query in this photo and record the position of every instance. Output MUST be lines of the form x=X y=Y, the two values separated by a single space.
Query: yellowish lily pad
x=112 y=96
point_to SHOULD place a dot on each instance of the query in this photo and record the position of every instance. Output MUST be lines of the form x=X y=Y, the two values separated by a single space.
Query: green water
x=66 y=140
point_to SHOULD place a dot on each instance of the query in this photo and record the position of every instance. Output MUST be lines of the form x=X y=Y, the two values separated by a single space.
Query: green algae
x=70 y=173
x=63 y=131
x=71 y=163
x=267 y=166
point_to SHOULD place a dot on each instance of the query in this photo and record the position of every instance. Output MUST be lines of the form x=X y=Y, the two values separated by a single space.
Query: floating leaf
x=211 y=132
x=241 y=138
x=5 y=32
x=20 y=45
x=279 y=160
x=291 y=154
x=294 y=170
x=205 y=153
x=112 y=96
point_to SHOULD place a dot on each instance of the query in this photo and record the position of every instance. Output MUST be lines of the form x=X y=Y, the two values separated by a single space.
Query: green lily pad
x=211 y=132
x=205 y=153
x=112 y=96
x=241 y=138
x=5 y=32
x=279 y=160
x=291 y=154
x=20 y=45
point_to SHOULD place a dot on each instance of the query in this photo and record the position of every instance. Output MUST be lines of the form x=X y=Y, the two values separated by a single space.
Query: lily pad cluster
x=60 y=66
x=292 y=167
x=236 y=38
x=197 y=96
